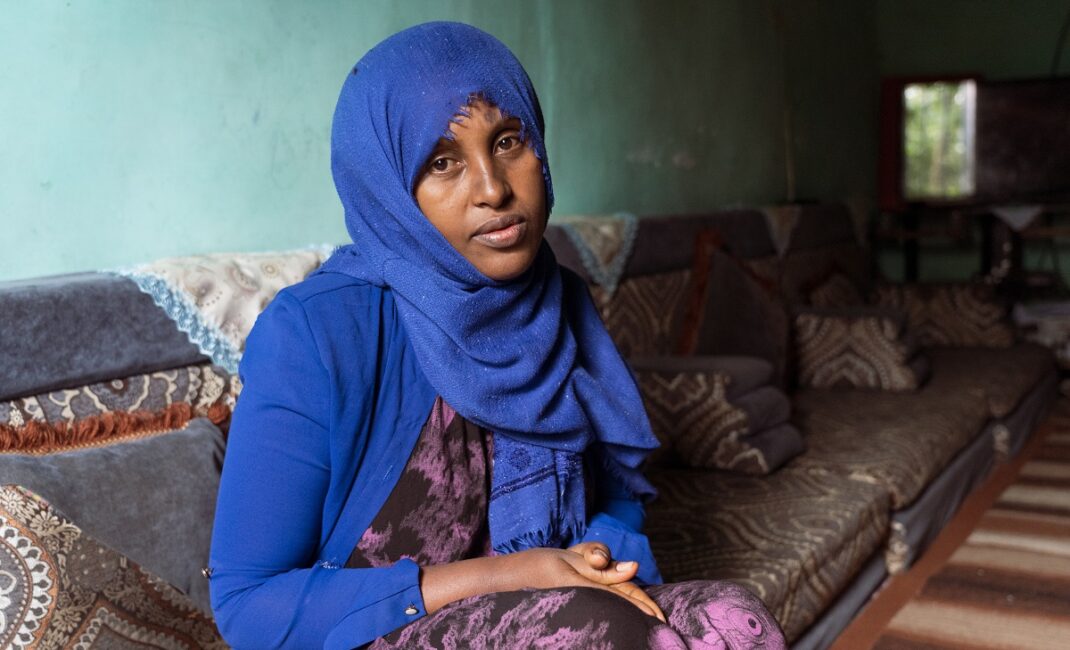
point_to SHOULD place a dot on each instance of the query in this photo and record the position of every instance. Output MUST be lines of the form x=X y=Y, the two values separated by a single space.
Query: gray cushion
x=765 y=407
x=776 y=445
x=151 y=498
x=72 y=330
x=746 y=373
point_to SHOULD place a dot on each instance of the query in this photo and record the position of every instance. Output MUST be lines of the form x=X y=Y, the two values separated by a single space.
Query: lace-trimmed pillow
x=64 y=589
x=857 y=348
x=698 y=427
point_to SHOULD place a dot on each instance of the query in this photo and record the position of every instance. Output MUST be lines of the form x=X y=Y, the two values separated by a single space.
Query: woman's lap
x=701 y=614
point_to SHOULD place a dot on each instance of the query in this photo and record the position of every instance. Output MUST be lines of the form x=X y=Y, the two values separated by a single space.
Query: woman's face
x=484 y=192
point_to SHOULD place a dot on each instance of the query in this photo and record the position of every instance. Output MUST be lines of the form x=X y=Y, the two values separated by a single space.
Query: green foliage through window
x=938 y=134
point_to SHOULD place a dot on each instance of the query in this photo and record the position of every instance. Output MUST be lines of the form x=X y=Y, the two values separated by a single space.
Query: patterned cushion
x=1005 y=375
x=63 y=589
x=836 y=290
x=851 y=349
x=794 y=538
x=216 y=298
x=692 y=417
x=644 y=315
x=954 y=315
x=899 y=441
x=119 y=408
x=152 y=498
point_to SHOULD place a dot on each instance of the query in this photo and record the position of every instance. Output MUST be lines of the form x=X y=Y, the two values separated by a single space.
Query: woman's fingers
x=613 y=573
x=635 y=592
x=595 y=553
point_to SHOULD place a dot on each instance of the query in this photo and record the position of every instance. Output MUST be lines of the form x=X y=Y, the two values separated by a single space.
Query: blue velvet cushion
x=151 y=498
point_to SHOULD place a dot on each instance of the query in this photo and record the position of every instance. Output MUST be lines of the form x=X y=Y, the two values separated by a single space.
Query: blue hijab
x=529 y=358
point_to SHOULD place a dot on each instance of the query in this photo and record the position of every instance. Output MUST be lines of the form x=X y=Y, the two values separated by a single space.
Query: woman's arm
x=267 y=590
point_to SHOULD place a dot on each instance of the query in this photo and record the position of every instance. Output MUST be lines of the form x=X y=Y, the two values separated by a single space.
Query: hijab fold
x=528 y=358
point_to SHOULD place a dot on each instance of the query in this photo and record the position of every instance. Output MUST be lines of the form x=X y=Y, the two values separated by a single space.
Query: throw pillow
x=952 y=315
x=836 y=290
x=855 y=348
x=62 y=588
x=120 y=408
x=698 y=426
x=151 y=498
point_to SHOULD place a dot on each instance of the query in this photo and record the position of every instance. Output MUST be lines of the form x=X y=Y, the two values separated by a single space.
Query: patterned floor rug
x=1008 y=584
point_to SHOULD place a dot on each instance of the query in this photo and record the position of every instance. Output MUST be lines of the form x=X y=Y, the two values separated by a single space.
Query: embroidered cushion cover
x=856 y=348
x=61 y=588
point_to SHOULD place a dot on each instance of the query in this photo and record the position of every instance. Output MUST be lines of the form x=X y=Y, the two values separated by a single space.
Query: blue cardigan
x=333 y=401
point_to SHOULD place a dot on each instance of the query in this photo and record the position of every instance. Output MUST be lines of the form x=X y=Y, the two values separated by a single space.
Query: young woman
x=437 y=443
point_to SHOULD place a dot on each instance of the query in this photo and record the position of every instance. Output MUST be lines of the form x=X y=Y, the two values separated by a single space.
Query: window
x=938 y=139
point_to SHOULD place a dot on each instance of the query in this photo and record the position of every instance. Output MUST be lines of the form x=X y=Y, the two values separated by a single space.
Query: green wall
x=135 y=129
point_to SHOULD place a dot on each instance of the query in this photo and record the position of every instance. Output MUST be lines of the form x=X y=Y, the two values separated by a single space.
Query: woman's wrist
x=442 y=584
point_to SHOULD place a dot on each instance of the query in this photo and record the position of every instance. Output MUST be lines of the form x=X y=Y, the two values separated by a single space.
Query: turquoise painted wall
x=136 y=129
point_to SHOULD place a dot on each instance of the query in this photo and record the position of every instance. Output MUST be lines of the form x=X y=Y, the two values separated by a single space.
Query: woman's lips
x=501 y=233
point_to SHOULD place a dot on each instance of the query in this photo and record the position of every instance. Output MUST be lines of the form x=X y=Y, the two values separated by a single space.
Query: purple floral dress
x=437 y=513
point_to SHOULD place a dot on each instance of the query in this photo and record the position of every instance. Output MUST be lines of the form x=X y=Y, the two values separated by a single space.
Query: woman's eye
x=508 y=143
x=441 y=165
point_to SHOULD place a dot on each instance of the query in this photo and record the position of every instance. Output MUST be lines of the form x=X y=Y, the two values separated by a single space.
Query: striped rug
x=1008 y=584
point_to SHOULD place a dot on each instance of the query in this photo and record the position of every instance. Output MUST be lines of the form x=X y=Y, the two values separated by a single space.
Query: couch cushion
x=765 y=407
x=899 y=441
x=795 y=539
x=71 y=330
x=1005 y=375
x=645 y=314
x=741 y=314
x=954 y=315
x=746 y=373
x=65 y=589
x=151 y=498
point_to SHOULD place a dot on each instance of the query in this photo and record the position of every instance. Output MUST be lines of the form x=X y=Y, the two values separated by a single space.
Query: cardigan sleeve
x=267 y=589
x=618 y=523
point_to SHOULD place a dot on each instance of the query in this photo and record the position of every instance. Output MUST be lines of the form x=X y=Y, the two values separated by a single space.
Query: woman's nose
x=492 y=188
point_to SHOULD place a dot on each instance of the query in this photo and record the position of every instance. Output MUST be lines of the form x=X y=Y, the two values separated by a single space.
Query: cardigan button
x=411 y=610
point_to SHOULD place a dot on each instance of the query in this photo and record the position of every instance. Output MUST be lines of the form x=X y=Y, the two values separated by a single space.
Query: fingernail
x=625 y=566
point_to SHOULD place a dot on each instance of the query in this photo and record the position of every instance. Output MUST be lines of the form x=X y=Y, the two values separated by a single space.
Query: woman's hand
x=598 y=557
x=539 y=568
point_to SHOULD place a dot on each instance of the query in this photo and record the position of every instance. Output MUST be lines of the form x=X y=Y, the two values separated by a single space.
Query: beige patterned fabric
x=853 y=351
x=899 y=441
x=794 y=538
x=63 y=589
x=216 y=298
x=644 y=315
x=691 y=415
x=836 y=291
x=953 y=315
x=1004 y=375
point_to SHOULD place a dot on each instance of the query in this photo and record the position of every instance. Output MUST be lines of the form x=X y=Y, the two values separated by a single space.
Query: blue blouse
x=332 y=403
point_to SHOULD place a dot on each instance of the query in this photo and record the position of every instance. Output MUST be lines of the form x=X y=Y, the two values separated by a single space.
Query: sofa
x=116 y=390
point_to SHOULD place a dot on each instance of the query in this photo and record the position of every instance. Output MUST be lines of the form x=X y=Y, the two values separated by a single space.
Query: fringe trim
x=40 y=438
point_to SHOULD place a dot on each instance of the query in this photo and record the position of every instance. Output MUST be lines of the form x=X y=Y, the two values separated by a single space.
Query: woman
x=437 y=443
